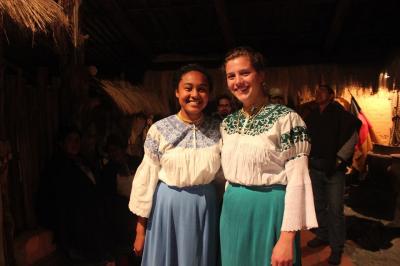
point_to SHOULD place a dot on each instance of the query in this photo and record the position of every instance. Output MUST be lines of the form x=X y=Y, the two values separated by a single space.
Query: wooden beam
x=342 y=10
x=224 y=23
x=182 y=7
x=122 y=21
x=181 y=58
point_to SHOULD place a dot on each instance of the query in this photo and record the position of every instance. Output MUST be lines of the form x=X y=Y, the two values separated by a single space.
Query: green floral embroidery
x=256 y=125
x=295 y=135
x=295 y=157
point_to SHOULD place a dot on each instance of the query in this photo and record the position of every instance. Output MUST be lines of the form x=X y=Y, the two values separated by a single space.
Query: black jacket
x=329 y=130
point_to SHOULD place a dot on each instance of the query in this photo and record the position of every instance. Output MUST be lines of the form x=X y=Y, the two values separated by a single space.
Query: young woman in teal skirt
x=172 y=192
x=264 y=157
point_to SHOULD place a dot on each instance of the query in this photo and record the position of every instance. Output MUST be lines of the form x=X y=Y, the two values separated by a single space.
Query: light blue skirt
x=182 y=228
x=250 y=225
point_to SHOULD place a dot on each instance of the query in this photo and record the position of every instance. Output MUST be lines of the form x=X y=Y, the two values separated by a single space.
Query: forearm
x=282 y=253
x=287 y=237
x=141 y=225
x=138 y=245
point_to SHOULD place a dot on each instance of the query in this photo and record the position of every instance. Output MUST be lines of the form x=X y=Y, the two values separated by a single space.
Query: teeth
x=241 y=89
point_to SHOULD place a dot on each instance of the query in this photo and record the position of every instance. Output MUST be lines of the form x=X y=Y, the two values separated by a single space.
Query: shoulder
x=335 y=107
x=164 y=121
x=231 y=117
x=166 y=125
x=274 y=113
x=277 y=110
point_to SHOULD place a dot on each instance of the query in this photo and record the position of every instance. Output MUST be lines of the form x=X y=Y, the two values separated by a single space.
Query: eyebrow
x=240 y=70
x=189 y=83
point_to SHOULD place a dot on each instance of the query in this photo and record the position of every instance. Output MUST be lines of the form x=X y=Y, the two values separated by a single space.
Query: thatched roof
x=133 y=99
x=35 y=15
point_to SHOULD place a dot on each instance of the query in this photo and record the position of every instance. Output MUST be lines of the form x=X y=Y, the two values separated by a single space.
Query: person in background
x=136 y=138
x=172 y=191
x=224 y=107
x=276 y=96
x=264 y=158
x=115 y=183
x=334 y=135
x=71 y=204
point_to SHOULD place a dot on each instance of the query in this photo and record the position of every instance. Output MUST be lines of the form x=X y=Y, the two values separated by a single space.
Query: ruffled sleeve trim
x=299 y=201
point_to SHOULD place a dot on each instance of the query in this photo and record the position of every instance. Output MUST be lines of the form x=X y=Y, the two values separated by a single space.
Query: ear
x=177 y=93
x=262 y=76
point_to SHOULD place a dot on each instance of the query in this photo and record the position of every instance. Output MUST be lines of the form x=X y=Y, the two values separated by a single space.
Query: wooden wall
x=298 y=82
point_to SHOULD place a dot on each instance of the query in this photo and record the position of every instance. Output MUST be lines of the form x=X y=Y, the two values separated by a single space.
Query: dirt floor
x=371 y=240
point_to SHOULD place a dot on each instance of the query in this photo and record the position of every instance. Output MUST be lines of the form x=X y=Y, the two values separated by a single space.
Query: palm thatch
x=132 y=99
x=35 y=15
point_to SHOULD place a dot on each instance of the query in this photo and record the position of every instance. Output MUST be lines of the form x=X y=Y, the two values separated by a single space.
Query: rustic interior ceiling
x=142 y=34
x=287 y=31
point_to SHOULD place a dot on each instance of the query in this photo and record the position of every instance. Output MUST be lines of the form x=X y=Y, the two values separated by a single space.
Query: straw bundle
x=132 y=99
x=35 y=15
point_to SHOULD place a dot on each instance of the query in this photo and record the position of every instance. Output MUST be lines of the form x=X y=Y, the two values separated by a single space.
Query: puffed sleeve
x=295 y=144
x=146 y=177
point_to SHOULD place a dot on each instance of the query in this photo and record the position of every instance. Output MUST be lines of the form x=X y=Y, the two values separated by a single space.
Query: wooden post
x=3 y=243
x=6 y=221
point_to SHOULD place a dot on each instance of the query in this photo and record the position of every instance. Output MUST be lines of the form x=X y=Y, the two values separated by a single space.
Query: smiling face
x=192 y=94
x=244 y=81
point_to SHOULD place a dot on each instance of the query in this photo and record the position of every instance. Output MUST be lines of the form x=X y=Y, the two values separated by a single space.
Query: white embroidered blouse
x=177 y=154
x=269 y=148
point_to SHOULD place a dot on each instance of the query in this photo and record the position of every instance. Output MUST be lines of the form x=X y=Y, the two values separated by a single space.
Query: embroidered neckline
x=196 y=122
x=261 y=123
x=249 y=118
x=254 y=110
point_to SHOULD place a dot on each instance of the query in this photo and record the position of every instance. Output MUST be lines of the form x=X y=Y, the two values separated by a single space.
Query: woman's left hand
x=282 y=254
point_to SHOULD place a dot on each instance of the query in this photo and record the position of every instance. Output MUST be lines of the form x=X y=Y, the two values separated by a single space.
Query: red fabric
x=365 y=137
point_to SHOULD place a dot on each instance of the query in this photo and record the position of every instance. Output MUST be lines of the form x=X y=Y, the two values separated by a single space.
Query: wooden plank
x=3 y=243
x=126 y=27
x=342 y=10
x=224 y=23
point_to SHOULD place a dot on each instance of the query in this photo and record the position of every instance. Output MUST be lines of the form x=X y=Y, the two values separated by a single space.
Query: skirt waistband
x=261 y=187
x=188 y=188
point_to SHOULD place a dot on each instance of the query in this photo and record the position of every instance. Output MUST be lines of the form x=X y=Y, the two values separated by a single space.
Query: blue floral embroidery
x=179 y=134
x=152 y=145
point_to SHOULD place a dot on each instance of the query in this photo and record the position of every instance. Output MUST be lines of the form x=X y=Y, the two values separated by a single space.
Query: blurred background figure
x=115 y=183
x=276 y=96
x=70 y=203
x=136 y=138
x=224 y=107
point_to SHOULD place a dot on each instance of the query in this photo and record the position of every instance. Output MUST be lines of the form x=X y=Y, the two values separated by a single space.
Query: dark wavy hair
x=187 y=68
x=327 y=87
x=223 y=96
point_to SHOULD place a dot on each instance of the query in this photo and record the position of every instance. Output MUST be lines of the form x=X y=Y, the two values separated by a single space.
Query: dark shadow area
x=58 y=258
x=374 y=197
x=370 y=235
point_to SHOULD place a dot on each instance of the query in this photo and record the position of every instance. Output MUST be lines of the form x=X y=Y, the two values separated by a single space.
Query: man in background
x=224 y=107
x=276 y=96
x=334 y=133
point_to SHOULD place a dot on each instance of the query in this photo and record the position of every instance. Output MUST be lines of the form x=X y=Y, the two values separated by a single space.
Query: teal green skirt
x=250 y=225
